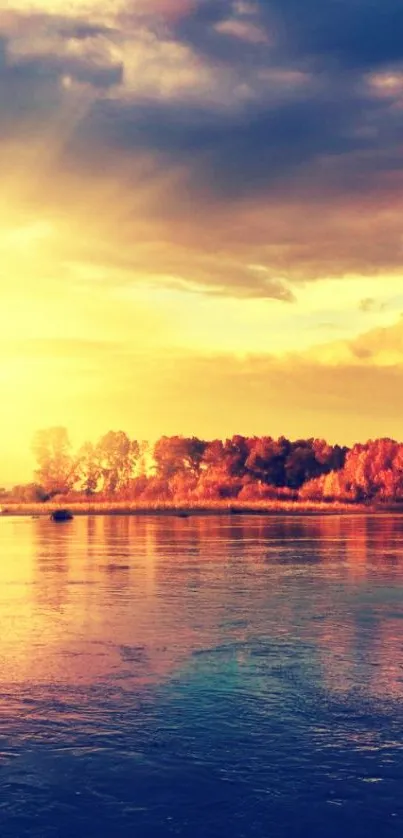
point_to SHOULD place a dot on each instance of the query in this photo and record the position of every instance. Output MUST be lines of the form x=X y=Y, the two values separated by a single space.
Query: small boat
x=61 y=515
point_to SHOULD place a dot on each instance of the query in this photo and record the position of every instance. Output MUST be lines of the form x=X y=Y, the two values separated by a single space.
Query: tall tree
x=56 y=468
x=175 y=454
x=116 y=455
x=88 y=468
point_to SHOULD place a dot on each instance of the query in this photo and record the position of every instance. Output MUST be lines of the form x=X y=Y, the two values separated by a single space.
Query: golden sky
x=200 y=220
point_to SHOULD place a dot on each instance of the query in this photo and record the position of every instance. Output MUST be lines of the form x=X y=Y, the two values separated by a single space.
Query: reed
x=108 y=507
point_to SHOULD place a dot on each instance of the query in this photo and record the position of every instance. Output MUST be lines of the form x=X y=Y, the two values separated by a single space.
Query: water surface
x=200 y=677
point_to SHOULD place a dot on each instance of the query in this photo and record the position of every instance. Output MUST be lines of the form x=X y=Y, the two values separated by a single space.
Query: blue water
x=201 y=677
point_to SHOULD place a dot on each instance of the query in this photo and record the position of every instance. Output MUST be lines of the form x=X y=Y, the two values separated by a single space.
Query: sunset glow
x=200 y=221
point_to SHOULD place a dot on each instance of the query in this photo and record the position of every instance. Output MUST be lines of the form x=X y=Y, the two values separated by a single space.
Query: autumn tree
x=116 y=456
x=88 y=468
x=56 y=470
x=186 y=468
x=266 y=460
x=144 y=464
x=221 y=468
x=213 y=455
x=370 y=471
x=176 y=454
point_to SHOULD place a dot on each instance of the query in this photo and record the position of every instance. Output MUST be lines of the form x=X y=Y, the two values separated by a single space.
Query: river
x=201 y=677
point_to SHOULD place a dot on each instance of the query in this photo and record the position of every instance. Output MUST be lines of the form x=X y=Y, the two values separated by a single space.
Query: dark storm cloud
x=290 y=119
x=28 y=92
x=355 y=33
x=202 y=30
x=263 y=146
x=272 y=134
x=279 y=130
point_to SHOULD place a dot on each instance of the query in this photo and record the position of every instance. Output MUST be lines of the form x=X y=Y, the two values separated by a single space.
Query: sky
x=200 y=219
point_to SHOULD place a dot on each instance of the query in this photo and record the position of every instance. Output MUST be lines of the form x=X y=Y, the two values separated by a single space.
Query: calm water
x=201 y=677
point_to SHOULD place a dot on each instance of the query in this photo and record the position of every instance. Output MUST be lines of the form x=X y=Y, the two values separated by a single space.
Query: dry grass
x=171 y=508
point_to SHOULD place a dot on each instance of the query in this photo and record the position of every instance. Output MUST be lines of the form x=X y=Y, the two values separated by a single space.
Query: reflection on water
x=199 y=676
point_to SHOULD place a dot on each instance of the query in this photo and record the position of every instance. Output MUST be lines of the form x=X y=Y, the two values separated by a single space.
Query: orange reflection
x=129 y=600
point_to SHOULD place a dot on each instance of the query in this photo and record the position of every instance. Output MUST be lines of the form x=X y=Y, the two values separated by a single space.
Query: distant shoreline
x=302 y=508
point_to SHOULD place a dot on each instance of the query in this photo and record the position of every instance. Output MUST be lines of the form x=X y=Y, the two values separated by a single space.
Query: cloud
x=229 y=135
x=351 y=34
x=242 y=30
x=53 y=48
x=376 y=348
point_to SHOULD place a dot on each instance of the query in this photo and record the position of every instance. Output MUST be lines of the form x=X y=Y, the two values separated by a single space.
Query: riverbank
x=187 y=510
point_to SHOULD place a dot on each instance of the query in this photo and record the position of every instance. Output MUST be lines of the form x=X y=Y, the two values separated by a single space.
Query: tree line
x=185 y=469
